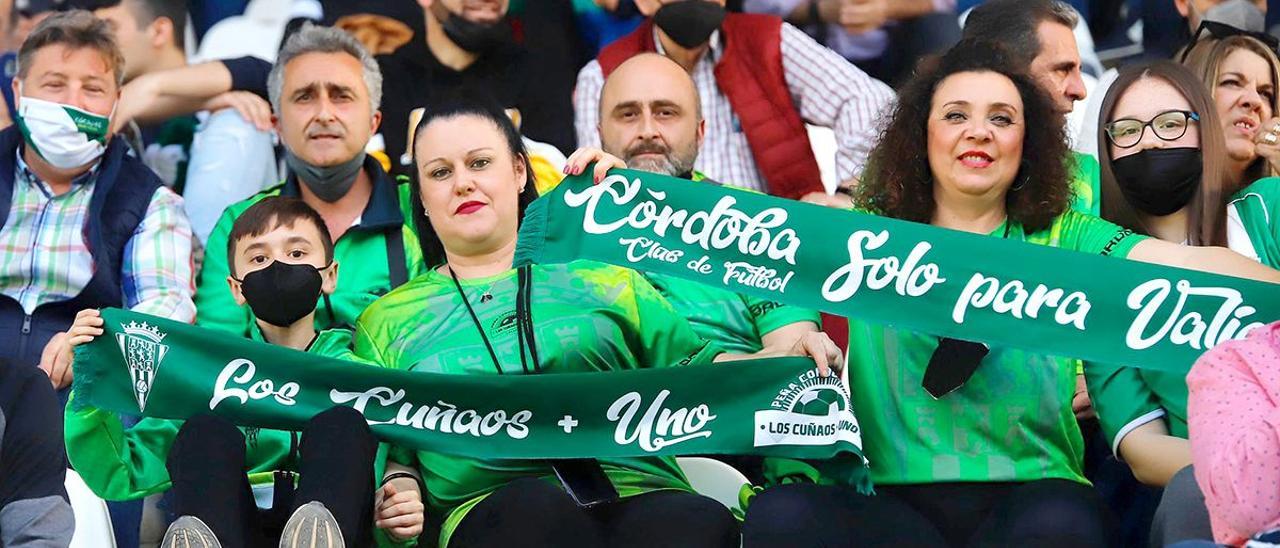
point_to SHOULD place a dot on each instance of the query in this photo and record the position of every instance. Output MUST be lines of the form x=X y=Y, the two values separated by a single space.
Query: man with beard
x=650 y=118
x=760 y=80
x=325 y=89
x=469 y=46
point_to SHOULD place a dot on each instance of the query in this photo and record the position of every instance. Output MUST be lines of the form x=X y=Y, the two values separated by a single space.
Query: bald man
x=649 y=117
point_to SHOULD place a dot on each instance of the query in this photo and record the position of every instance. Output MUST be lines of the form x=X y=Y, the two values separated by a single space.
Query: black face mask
x=282 y=293
x=470 y=35
x=690 y=22
x=1159 y=181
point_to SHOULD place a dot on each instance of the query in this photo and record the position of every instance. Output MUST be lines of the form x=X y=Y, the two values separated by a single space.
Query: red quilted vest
x=750 y=75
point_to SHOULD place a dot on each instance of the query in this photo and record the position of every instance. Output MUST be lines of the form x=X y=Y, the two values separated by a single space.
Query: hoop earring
x=1022 y=181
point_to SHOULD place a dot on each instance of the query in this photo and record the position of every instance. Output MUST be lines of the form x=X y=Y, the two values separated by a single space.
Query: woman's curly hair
x=898 y=182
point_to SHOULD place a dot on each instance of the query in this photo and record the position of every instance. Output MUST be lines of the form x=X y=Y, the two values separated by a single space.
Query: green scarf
x=781 y=407
x=908 y=275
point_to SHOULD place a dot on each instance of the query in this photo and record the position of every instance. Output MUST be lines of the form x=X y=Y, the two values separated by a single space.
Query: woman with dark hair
x=1166 y=174
x=981 y=441
x=472 y=183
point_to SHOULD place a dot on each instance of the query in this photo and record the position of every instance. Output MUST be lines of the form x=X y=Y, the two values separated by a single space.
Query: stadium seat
x=714 y=479
x=93 y=523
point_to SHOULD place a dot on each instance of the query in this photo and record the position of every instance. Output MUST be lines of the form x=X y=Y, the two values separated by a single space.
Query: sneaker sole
x=311 y=526
x=189 y=532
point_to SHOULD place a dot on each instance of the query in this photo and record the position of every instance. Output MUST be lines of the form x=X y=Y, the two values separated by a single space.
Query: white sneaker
x=311 y=526
x=189 y=532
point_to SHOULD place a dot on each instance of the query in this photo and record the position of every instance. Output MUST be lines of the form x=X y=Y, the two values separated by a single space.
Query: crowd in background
x=348 y=178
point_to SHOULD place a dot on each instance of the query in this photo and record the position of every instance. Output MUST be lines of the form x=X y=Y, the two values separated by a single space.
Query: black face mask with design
x=1159 y=181
x=470 y=35
x=689 y=22
x=282 y=293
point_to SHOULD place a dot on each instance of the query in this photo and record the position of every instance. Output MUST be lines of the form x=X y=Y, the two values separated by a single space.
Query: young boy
x=281 y=259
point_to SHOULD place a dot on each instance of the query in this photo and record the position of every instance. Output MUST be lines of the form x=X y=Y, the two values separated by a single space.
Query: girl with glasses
x=1166 y=170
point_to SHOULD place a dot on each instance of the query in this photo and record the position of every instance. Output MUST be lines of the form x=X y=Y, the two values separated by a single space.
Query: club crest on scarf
x=811 y=410
x=143 y=352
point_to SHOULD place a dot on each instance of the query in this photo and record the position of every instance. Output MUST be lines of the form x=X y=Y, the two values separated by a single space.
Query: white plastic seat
x=93 y=522
x=714 y=479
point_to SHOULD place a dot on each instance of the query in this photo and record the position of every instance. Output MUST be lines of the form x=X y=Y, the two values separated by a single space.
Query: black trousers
x=532 y=512
x=335 y=468
x=1047 y=513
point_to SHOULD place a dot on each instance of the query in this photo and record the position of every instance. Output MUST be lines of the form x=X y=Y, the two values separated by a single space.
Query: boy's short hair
x=269 y=214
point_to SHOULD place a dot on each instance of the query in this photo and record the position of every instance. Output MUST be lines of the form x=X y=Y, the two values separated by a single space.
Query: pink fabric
x=1233 y=410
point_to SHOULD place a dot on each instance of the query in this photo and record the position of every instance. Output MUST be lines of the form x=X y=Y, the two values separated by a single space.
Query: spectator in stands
x=885 y=38
x=1038 y=35
x=1242 y=72
x=650 y=118
x=283 y=261
x=326 y=90
x=470 y=45
x=760 y=81
x=474 y=184
x=86 y=225
x=34 y=510
x=976 y=145
x=150 y=33
x=1163 y=175
x=1231 y=410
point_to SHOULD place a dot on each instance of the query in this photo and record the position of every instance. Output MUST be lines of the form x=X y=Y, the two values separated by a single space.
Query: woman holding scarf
x=1166 y=174
x=977 y=444
x=473 y=314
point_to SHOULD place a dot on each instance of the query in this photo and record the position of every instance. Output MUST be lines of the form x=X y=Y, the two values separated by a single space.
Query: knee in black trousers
x=206 y=464
x=527 y=512
x=670 y=518
x=335 y=468
x=805 y=514
x=1048 y=513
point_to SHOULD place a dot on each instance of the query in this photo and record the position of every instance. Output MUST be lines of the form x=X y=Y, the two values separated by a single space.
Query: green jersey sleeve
x=118 y=464
x=770 y=315
x=1122 y=399
x=1258 y=207
x=1079 y=232
x=664 y=337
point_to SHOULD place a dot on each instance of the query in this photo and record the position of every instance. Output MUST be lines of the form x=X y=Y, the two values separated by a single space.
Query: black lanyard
x=524 y=320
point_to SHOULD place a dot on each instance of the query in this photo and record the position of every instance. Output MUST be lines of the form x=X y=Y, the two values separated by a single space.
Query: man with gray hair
x=326 y=90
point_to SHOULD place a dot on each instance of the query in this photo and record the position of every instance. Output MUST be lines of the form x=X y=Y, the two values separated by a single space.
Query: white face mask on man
x=65 y=136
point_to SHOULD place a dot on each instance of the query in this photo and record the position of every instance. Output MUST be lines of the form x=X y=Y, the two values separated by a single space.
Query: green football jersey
x=1012 y=421
x=1126 y=397
x=1253 y=221
x=1086 y=179
x=587 y=317
x=734 y=322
